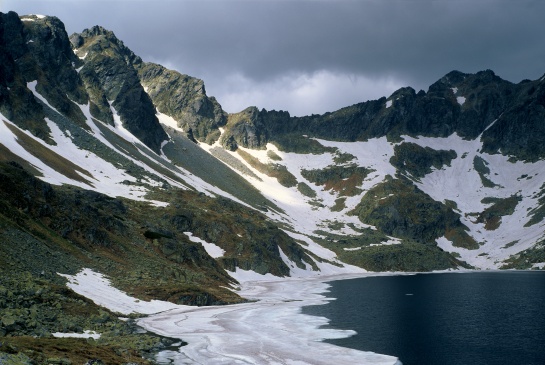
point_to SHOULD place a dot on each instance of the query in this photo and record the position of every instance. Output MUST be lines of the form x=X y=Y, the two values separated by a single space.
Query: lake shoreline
x=270 y=329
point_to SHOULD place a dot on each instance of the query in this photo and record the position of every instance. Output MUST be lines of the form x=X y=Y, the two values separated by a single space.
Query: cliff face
x=109 y=63
x=16 y=101
x=38 y=57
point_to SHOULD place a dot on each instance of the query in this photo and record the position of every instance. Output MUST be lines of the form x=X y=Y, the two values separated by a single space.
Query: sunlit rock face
x=184 y=98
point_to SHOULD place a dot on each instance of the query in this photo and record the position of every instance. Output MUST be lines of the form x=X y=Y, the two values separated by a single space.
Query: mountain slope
x=444 y=173
x=125 y=167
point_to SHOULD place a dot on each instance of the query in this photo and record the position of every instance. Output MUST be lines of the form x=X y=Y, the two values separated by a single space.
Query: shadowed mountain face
x=107 y=61
x=131 y=169
x=466 y=104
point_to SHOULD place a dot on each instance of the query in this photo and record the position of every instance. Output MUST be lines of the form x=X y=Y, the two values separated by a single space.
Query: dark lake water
x=484 y=318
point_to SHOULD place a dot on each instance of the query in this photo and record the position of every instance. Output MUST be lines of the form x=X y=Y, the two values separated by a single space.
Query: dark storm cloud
x=257 y=42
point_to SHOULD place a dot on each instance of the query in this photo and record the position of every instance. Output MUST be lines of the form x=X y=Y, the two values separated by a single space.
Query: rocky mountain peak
x=22 y=109
x=48 y=42
x=403 y=92
x=101 y=40
x=453 y=78
x=109 y=68
x=11 y=35
x=245 y=129
x=183 y=98
x=98 y=30
x=36 y=49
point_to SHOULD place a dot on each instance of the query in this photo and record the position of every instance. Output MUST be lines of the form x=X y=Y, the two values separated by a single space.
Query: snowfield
x=303 y=216
x=459 y=183
x=462 y=184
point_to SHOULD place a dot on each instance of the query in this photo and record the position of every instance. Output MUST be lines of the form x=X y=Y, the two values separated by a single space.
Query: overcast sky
x=313 y=56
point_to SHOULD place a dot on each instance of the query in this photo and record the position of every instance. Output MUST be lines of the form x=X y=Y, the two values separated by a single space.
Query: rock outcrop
x=108 y=63
x=183 y=98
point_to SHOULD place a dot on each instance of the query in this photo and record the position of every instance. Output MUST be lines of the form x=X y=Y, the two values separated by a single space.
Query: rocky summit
x=125 y=167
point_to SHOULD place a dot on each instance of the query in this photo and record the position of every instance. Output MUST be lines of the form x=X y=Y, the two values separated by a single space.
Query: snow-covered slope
x=461 y=183
x=458 y=182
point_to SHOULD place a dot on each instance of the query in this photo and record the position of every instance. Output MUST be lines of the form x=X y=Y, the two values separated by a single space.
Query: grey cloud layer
x=415 y=41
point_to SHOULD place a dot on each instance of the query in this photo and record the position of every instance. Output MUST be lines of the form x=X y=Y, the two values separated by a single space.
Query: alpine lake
x=470 y=318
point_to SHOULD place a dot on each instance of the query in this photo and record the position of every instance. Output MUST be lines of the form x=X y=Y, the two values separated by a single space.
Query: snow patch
x=85 y=334
x=241 y=275
x=32 y=87
x=10 y=141
x=304 y=214
x=388 y=103
x=97 y=287
x=27 y=18
x=108 y=179
x=353 y=248
x=391 y=241
x=212 y=249
x=163 y=156
x=461 y=100
x=168 y=121
x=312 y=246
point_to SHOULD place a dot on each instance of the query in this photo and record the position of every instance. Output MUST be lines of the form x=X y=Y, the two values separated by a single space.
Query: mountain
x=123 y=166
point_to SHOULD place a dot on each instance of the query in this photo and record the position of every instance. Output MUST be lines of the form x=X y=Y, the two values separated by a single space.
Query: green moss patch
x=491 y=216
x=306 y=190
x=273 y=156
x=403 y=257
x=366 y=251
x=300 y=144
x=481 y=166
x=342 y=158
x=339 y=205
x=398 y=208
x=538 y=213
x=418 y=161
